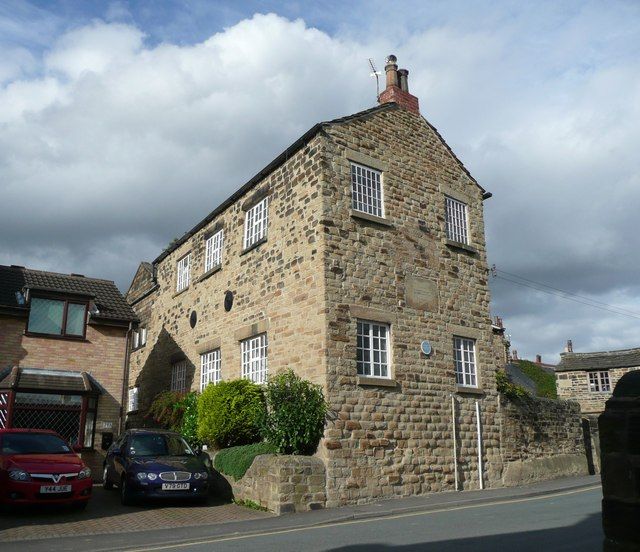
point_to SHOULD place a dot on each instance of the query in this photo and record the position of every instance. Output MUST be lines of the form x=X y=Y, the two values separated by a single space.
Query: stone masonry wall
x=278 y=288
x=101 y=355
x=574 y=385
x=541 y=439
x=282 y=484
x=394 y=438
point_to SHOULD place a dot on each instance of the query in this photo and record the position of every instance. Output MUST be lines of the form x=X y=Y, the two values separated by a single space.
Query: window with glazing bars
x=213 y=251
x=179 y=376
x=133 y=399
x=366 y=190
x=464 y=354
x=372 y=349
x=457 y=229
x=182 y=281
x=209 y=368
x=599 y=382
x=254 y=358
x=255 y=223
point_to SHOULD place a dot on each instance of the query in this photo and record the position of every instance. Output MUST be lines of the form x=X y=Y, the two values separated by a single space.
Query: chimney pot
x=569 y=347
x=538 y=359
x=403 y=75
x=391 y=69
x=514 y=354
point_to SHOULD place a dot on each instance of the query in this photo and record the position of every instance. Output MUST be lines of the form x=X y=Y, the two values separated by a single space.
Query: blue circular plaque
x=425 y=347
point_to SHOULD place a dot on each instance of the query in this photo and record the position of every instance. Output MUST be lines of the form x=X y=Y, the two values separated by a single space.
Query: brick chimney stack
x=538 y=359
x=397 y=89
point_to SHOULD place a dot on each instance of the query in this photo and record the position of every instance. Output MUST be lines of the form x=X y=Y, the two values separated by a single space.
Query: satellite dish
x=425 y=347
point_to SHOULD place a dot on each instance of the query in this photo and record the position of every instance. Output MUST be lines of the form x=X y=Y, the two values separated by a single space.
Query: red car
x=37 y=466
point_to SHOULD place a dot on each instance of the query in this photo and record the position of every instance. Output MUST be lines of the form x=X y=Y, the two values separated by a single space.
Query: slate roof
x=602 y=360
x=108 y=299
x=284 y=156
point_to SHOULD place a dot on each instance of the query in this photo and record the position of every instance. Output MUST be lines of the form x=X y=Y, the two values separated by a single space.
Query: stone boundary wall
x=282 y=484
x=541 y=439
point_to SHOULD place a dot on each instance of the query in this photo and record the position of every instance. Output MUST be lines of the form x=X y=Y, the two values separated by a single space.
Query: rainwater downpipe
x=480 y=479
x=455 y=441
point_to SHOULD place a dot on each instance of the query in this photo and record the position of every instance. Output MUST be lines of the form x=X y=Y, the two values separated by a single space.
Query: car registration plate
x=49 y=489
x=175 y=486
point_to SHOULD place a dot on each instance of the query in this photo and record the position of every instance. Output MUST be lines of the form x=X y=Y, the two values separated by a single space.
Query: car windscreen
x=158 y=444
x=33 y=443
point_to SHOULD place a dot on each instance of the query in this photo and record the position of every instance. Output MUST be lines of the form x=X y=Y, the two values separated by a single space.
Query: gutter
x=125 y=379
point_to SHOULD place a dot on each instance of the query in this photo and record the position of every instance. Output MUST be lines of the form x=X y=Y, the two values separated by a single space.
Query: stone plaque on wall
x=421 y=293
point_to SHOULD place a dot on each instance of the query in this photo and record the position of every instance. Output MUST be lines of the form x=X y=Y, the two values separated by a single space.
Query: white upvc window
x=457 y=223
x=255 y=223
x=599 y=382
x=366 y=190
x=143 y=336
x=209 y=368
x=464 y=354
x=213 y=251
x=132 y=403
x=254 y=358
x=183 y=272
x=372 y=349
x=179 y=376
x=135 y=340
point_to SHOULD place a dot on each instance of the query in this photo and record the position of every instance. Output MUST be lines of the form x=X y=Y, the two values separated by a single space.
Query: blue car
x=148 y=463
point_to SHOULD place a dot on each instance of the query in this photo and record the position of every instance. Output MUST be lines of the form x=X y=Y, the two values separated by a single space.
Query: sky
x=123 y=124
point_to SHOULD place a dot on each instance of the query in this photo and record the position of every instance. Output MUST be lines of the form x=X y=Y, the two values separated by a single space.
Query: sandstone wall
x=394 y=438
x=541 y=439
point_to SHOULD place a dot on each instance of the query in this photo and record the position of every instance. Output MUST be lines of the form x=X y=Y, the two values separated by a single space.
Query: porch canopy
x=61 y=400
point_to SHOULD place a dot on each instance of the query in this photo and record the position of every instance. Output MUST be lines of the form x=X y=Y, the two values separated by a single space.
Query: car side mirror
x=77 y=447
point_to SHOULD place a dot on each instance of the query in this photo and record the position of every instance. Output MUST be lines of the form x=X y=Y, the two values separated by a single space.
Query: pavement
x=108 y=526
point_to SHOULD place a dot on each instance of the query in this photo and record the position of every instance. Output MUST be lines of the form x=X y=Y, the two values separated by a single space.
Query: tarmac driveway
x=105 y=515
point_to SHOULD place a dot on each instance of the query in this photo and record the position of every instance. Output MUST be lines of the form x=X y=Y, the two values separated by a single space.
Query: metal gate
x=60 y=413
x=4 y=409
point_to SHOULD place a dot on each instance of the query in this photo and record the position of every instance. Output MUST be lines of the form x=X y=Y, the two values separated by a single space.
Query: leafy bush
x=163 y=412
x=510 y=390
x=235 y=461
x=545 y=382
x=229 y=413
x=188 y=405
x=295 y=415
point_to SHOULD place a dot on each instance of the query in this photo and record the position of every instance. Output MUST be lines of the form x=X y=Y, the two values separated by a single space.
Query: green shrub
x=545 y=382
x=229 y=413
x=295 y=414
x=163 y=412
x=235 y=461
x=510 y=390
x=188 y=405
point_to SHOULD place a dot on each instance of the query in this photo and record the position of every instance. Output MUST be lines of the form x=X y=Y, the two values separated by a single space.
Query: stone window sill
x=180 y=292
x=463 y=246
x=376 y=382
x=465 y=390
x=253 y=246
x=210 y=272
x=371 y=218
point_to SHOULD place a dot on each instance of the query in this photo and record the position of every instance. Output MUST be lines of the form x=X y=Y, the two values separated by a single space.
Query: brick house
x=590 y=378
x=63 y=355
x=357 y=258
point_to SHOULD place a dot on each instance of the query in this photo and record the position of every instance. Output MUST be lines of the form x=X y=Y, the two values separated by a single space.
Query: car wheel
x=125 y=493
x=106 y=484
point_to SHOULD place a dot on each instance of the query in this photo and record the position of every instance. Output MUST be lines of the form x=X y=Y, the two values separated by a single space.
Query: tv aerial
x=375 y=73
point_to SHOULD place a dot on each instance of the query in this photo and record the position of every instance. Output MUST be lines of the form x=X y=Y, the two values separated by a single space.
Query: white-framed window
x=209 y=368
x=132 y=403
x=135 y=339
x=143 y=336
x=255 y=223
x=179 y=376
x=457 y=224
x=183 y=272
x=254 y=358
x=213 y=251
x=372 y=349
x=599 y=382
x=464 y=354
x=366 y=190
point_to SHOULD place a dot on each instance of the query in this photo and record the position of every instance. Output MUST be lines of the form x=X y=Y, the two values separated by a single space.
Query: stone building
x=63 y=355
x=589 y=378
x=357 y=258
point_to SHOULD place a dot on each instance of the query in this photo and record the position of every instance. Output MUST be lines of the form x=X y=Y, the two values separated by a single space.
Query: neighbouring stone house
x=63 y=355
x=357 y=258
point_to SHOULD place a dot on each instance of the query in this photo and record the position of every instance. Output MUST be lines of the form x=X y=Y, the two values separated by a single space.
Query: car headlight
x=84 y=473
x=141 y=476
x=152 y=476
x=200 y=475
x=18 y=475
